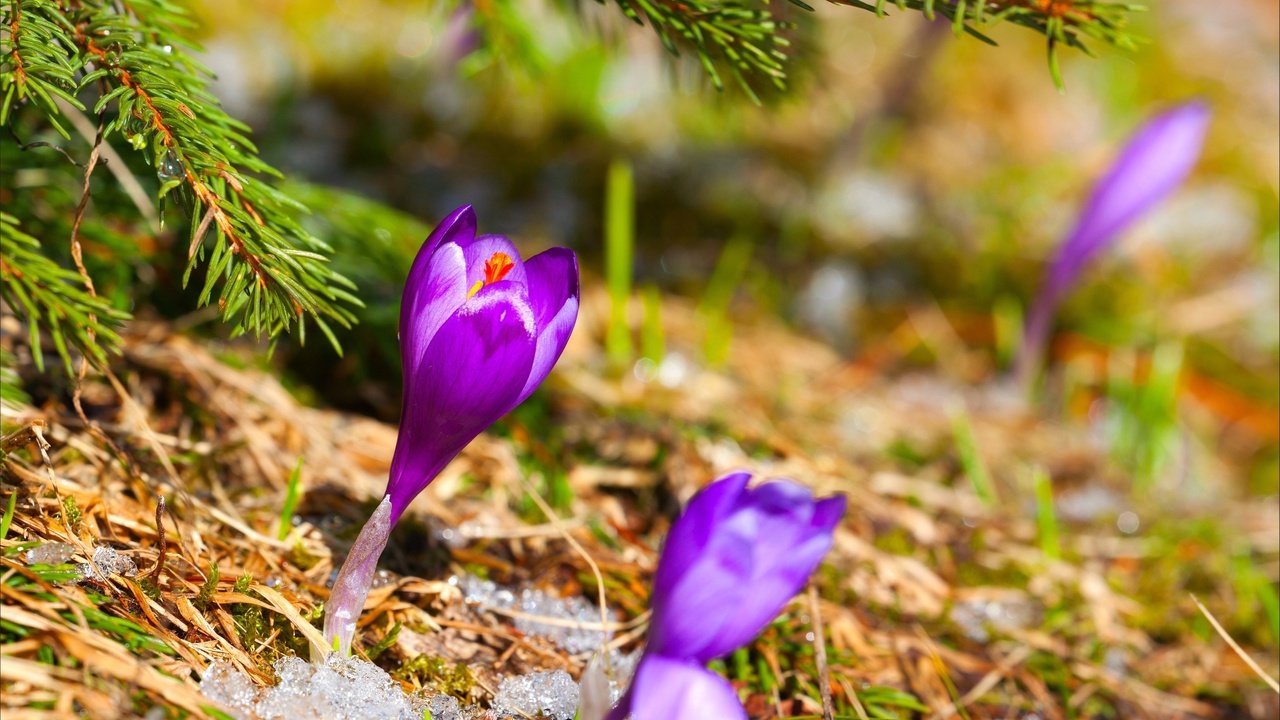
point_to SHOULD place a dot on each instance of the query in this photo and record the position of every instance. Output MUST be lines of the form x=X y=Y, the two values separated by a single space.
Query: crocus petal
x=777 y=582
x=784 y=511
x=769 y=539
x=440 y=290
x=480 y=249
x=665 y=689
x=1152 y=165
x=550 y=345
x=690 y=532
x=691 y=619
x=457 y=227
x=553 y=295
x=553 y=281
x=470 y=375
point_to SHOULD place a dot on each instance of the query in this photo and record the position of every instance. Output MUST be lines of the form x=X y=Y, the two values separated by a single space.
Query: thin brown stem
x=161 y=541
x=820 y=654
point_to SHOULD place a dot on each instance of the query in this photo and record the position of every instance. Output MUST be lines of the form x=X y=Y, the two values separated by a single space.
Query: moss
x=149 y=588
x=250 y=623
x=429 y=670
x=209 y=587
x=71 y=514
x=895 y=540
x=301 y=558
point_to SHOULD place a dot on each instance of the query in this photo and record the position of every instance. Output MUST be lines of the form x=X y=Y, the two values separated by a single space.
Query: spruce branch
x=745 y=38
x=741 y=37
x=12 y=395
x=1062 y=22
x=264 y=271
x=54 y=298
x=39 y=64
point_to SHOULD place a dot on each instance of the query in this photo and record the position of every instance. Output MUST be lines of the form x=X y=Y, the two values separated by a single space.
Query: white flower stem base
x=351 y=588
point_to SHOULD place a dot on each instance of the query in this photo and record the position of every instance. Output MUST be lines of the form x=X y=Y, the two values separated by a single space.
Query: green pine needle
x=265 y=273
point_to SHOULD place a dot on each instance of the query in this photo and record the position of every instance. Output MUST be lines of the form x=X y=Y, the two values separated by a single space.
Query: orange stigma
x=495 y=269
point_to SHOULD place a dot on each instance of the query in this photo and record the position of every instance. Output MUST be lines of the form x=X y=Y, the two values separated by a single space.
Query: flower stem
x=350 y=589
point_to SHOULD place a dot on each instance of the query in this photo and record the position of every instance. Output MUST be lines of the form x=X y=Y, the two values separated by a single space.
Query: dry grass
x=1105 y=631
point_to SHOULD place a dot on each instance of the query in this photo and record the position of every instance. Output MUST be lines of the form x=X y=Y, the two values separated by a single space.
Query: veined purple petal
x=666 y=689
x=1152 y=165
x=441 y=290
x=553 y=295
x=553 y=281
x=550 y=344
x=690 y=620
x=470 y=375
x=691 y=532
x=456 y=227
x=783 y=512
x=778 y=579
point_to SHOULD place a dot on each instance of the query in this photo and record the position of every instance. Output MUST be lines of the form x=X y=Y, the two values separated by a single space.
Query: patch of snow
x=550 y=693
x=50 y=553
x=340 y=688
x=107 y=562
x=563 y=613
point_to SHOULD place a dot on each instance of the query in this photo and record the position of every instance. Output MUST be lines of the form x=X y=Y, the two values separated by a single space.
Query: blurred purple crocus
x=729 y=565
x=1154 y=163
x=479 y=331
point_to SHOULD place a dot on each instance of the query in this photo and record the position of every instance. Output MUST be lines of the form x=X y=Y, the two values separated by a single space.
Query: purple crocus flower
x=1153 y=164
x=729 y=565
x=479 y=331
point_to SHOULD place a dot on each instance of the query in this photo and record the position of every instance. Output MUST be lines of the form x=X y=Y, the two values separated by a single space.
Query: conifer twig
x=1062 y=22
x=746 y=39
x=264 y=272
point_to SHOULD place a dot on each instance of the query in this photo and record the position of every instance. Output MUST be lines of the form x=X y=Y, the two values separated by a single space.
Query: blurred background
x=827 y=284
x=906 y=171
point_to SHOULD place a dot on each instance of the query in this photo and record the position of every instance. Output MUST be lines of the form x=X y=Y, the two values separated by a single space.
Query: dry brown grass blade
x=1226 y=636
x=907 y=554
x=286 y=608
x=111 y=660
x=820 y=653
x=554 y=518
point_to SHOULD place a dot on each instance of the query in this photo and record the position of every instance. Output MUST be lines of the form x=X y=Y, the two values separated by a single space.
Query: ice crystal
x=51 y=553
x=107 y=562
x=563 y=612
x=340 y=688
x=552 y=694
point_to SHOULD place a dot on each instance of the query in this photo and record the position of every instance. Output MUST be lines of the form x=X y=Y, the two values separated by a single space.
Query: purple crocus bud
x=479 y=331
x=667 y=689
x=766 y=540
x=729 y=565
x=1153 y=164
x=461 y=37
